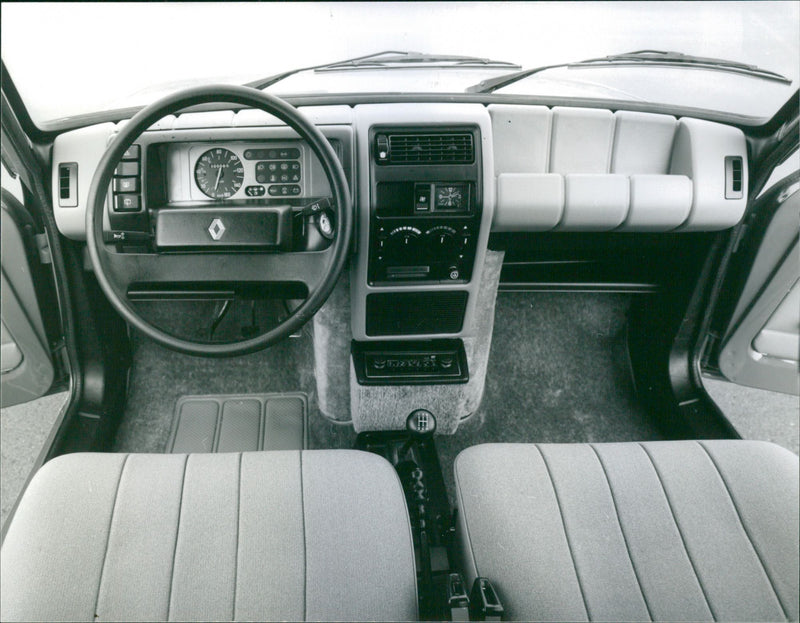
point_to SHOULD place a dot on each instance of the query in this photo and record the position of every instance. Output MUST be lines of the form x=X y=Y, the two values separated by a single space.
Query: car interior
x=402 y=355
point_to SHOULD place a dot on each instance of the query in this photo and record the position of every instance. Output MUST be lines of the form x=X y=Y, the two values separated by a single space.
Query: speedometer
x=219 y=173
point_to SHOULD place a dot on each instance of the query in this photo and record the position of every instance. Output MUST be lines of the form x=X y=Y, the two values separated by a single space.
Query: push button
x=126 y=184
x=126 y=203
x=422 y=198
x=132 y=153
x=127 y=169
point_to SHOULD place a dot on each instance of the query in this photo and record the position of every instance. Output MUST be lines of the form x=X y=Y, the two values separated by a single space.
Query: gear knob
x=421 y=422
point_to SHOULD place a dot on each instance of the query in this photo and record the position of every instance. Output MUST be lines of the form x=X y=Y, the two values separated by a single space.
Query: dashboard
x=432 y=184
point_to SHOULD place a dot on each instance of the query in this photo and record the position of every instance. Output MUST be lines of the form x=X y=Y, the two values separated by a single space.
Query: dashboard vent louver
x=68 y=185
x=441 y=148
x=734 y=177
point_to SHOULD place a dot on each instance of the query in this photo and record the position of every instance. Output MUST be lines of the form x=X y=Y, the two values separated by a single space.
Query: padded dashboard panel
x=516 y=191
x=651 y=172
x=642 y=143
x=658 y=202
x=581 y=140
x=595 y=202
x=523 y=132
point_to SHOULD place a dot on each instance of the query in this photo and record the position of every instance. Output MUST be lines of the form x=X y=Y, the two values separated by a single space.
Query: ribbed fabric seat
x=667 y=531
x=311 y=535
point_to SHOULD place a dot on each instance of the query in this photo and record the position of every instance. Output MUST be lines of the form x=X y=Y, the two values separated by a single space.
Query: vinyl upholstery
x=293 y=535
x=671 y=531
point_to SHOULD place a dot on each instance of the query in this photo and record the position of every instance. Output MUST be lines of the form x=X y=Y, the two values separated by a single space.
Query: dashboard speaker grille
x=440 y=148
x=415 y=313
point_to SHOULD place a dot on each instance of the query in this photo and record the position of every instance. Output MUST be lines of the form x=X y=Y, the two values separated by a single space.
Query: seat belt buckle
x=484 y=604
x=457 y=599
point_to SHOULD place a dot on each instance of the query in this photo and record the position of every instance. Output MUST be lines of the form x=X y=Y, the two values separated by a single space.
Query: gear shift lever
x=421 y=422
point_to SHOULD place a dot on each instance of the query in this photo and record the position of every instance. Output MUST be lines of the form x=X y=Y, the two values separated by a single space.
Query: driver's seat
x=296 y=535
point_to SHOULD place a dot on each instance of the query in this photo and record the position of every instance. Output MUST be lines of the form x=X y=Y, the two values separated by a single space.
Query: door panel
x=760 y=346
x=779 y=338
x=26 y=370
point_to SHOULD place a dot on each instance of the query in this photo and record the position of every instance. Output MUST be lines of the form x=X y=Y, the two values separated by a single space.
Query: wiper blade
x=263 y=83
x=641 y=57
x=385 y=59
x=388 y=59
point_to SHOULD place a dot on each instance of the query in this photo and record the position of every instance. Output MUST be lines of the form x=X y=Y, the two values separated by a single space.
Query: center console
x=425 y=212
x=422 y=285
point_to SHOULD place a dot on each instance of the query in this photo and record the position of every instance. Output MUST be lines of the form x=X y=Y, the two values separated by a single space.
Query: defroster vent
x=429 y=148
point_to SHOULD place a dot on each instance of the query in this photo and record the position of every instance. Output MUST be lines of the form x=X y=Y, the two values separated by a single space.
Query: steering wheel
x=317 y=270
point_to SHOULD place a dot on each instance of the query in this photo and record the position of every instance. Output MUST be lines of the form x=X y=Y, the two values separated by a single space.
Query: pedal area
x=239 y=423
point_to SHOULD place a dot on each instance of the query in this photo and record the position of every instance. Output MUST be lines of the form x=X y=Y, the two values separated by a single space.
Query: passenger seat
x=662 y=531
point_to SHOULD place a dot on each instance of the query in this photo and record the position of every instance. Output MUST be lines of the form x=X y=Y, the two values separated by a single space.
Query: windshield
x=73 y=59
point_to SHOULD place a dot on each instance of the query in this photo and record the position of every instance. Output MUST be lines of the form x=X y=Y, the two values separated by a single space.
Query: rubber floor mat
x=239 y=423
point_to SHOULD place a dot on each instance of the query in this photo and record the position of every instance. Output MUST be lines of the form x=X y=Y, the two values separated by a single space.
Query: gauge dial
x=450 y=196
x=219 y=173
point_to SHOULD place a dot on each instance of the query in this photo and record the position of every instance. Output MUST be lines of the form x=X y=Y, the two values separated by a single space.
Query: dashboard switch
x=422 y=198
x=132 y=153
x=126 y=203
x=127 y=169
x=126 y=184
x=382 y=148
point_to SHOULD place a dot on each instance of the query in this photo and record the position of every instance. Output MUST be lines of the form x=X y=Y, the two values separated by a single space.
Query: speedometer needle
x=219 y=176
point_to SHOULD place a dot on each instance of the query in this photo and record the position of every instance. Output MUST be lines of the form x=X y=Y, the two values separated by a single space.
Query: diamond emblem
x=216 y=229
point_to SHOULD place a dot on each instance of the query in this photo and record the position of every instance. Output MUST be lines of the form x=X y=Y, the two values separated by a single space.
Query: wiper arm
x=641 y=57
x=263 y=83
x=386 y=58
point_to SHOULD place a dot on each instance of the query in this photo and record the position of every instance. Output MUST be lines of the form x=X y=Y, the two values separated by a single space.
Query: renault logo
x=216 y=229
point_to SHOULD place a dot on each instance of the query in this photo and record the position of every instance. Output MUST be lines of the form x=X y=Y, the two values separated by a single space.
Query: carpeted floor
x=160 y=376
x=558 y=372
x=24 y=431
x=758 y=413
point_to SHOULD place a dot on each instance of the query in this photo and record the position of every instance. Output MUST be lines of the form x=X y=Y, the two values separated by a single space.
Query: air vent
x=734 y=177
x=68 y=185
x=437 y=148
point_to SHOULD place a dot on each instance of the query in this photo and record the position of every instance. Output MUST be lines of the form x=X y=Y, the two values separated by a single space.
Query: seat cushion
x=311 y=535
x=633 y=531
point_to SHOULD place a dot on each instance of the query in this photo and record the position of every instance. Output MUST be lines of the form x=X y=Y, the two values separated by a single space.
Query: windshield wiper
x=386 y=58
x=399 y=59
x=642 y=57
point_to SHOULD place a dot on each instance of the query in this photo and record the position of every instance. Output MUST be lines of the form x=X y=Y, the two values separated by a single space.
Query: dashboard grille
x=431 y=149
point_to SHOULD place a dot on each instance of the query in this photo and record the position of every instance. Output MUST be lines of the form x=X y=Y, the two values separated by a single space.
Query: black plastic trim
x=417 y=362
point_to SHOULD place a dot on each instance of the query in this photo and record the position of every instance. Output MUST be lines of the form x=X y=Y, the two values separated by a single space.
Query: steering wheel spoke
x=197 y=261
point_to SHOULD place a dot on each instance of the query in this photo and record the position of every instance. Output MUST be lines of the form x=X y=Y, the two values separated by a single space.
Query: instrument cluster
x=225 y=171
